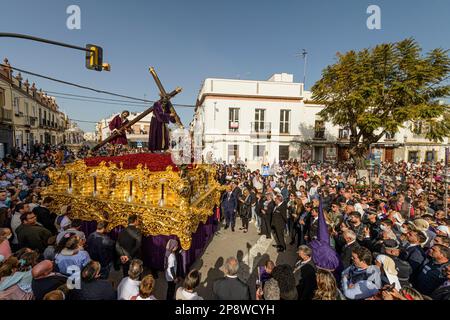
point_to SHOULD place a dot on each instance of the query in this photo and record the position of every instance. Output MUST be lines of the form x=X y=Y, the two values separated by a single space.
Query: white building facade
x=273 y=120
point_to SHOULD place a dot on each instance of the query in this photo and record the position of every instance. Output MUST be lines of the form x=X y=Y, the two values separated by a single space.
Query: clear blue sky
x=188 y=41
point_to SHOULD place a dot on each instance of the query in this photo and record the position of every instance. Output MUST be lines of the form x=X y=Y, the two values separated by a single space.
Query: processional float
x=169 y=199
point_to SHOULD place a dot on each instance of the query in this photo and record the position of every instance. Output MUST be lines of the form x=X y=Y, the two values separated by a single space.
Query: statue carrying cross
x=163 y=112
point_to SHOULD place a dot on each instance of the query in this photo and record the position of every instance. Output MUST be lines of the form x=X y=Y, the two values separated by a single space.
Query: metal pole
x=56 y=43
x=305 y=55
x=446 y=191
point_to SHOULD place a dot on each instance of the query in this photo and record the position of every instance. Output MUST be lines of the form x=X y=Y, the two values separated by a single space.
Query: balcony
x=5 y=115
x=261 y=129
x=319 y=134
x=344 y=135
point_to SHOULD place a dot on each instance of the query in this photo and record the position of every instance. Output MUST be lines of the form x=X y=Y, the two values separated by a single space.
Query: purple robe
x=116 y=123
x=324 y=256
x=159 y=133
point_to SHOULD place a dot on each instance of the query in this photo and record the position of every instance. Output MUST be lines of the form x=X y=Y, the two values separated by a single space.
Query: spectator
x=186 y=292
x=17 y=285
x=70 y=253
x=5 y=248
x=92 y=287
x=391 y=248
x=73 y=228
x=350 y=244
x=284 y=275
x=170 y=267
x=229 y=206
x=432 y=275
x=128 y=245
x=101 y=248
x=327 y=288
x=413 y=253
x=45 y=280
x=279 y=220
x=44 y=216
x=62 y=221
x=305 y=274
x=146 y=289
x=129 y=286
x=50 y=251
x=388 y=271
x=32 y=235
x=231 y=287
x=443 y=291
x=55 y=295
x=362 y=279
x=19 y=210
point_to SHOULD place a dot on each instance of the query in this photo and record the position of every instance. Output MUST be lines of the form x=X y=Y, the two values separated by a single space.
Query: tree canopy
x=379 y=90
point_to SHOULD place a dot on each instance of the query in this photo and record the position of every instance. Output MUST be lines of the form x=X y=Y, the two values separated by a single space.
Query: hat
x=391 y=244
x=419 y=224
x=444 y=229
x=277 y=190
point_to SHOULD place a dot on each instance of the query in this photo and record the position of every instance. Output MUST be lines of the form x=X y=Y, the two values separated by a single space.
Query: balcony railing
x=261 y=127
x=5 y=115
x=319 y=134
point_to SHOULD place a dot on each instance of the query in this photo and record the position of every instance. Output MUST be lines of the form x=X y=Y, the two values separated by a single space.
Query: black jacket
x=231 y=289
x=94 y=290
x=442 y=293
x=129 y=243
x=33 y=237
x=46 y=218
x=346 y=255
x=100 y=248
x=43 y=286
x=279 y=216
x=306 y=277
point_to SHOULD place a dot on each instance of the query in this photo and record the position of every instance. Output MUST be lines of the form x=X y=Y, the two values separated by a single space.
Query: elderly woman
x=388 y=271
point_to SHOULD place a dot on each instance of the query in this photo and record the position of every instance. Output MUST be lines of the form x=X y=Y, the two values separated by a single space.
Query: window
x=283 y=153
x=27 y=109
x=429 y=156
x=390 y=136
x=16 y=105
x=344 y=133
x=258 y=152
x=2 y=98
x=413 y=156
x=319 y=129
x=33 y=111
x=259 y=120
x=233 y=152
x=233 y=119
x=284 y=121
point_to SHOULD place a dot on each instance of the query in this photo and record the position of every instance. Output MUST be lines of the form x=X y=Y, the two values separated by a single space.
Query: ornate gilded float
x=169 y=202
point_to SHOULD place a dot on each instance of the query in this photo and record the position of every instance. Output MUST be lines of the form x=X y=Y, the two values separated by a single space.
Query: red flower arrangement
x=153 y=161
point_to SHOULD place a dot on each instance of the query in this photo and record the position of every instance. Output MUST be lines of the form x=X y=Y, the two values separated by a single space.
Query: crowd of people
x=387 y=240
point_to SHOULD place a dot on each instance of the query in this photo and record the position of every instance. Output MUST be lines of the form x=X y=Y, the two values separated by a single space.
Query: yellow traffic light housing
x=94 y=57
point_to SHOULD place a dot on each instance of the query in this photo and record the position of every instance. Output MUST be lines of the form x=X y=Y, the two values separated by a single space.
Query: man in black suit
x=231 y=287
x=279 y=219
x=44 y=216
x=312 y=225
x=229 y=208
x=350 y=244
x=266 y=215
x=128 y=245
x=305 y=274
x=101 y=248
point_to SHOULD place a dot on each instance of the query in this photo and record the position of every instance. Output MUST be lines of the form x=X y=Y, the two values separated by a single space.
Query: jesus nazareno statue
x=159 y=133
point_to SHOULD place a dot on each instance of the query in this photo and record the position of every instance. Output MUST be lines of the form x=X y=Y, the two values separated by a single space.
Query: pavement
x=249 y=248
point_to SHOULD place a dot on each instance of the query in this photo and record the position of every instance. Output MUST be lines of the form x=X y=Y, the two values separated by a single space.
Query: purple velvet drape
x=154 y=247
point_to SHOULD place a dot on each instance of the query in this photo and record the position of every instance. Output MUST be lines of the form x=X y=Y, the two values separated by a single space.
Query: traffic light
x=94 y=57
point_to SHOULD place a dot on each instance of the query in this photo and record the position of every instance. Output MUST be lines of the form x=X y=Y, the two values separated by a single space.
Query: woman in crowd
x=327 y=288
x=17 y=285
x=5 y=248
x=186 y=292
x=146 y=288
x=70 y=253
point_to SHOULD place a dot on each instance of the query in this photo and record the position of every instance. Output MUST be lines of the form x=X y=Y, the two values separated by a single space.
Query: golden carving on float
x=167 y=202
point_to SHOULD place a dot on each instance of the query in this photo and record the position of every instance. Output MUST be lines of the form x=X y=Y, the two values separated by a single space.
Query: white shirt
x=127 y=288
x=152 y=297
x=171 y=263
x=15 y=223
x=182 y=294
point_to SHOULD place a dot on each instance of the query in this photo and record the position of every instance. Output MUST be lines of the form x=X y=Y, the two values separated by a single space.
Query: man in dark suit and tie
x=229 y=208
x=128 y=245
x=231 y=287
x=279 y=219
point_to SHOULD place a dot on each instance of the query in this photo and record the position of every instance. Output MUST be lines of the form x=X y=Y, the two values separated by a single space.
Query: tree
x=380 y=90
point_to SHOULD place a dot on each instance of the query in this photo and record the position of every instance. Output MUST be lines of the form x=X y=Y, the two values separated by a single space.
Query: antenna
x=304 y=55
